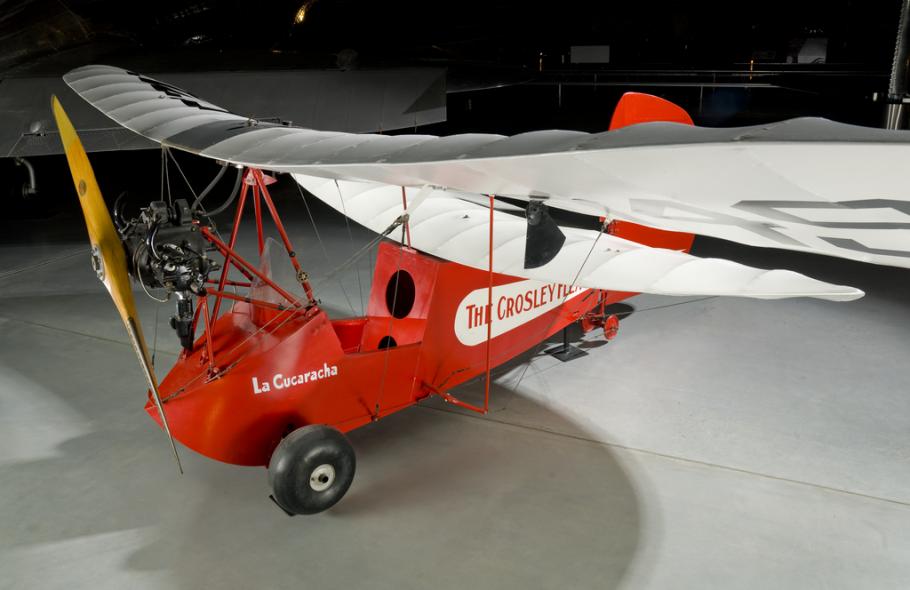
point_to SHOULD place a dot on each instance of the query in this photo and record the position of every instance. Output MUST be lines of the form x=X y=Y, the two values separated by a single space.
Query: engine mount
x=166 y=250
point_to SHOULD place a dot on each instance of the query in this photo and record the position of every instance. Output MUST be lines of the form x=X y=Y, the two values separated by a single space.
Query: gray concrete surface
x=717 y=443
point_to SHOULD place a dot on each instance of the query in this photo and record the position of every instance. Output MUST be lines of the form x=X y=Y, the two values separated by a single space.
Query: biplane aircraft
x=460 y=285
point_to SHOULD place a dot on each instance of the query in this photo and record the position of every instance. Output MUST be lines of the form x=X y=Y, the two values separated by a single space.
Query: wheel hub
x=322 y=477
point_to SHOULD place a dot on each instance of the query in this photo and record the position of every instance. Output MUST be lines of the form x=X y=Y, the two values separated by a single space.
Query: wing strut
x=448 y=397
x=486 y=388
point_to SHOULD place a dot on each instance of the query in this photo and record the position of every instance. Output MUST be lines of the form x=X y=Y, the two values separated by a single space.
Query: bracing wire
x=288 y=316
x=540 y=345
x=155 y=338
x=347 y=223
x=163 y=164
x=180 y=170
x=366 y=249
x=166 y=182
x=325 y=252
x=165 y=175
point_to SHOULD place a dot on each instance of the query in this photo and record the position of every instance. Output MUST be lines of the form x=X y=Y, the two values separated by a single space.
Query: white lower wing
x=457 y=230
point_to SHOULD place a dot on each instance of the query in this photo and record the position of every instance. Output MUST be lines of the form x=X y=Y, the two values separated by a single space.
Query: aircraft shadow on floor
x=459 y=499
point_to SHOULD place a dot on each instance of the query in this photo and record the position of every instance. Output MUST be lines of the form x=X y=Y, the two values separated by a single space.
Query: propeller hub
x=97 y=262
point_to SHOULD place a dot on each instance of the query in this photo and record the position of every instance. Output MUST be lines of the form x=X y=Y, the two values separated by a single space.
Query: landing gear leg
x=311 y=469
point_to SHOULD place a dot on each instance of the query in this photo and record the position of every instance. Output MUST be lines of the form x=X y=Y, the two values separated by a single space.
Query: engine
x=165 y=250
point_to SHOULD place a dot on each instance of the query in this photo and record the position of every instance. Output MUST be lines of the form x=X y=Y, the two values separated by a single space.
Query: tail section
x=636 y=107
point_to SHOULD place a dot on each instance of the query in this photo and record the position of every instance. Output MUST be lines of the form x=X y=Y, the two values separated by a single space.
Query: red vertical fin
x=636 y=107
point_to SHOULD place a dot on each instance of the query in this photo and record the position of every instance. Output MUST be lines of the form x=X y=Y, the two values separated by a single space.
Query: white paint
x=281 y=381
x=458 y=230
x=514 y=304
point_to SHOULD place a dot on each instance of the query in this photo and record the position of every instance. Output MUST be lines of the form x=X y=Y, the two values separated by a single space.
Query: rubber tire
x=294 y=460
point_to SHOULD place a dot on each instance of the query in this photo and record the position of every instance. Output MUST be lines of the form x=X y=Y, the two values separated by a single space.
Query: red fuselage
x=425 y=332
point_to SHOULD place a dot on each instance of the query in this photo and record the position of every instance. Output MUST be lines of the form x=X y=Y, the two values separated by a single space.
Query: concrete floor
x=717 y=443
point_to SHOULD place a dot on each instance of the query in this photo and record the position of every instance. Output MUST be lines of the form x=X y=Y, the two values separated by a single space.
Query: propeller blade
x=108 y=257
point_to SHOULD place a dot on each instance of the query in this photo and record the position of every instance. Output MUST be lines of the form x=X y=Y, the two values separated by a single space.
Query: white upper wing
x=457 y=229
x=804 y=184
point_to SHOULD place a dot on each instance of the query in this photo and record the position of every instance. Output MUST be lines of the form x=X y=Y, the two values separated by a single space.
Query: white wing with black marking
x=805 y=184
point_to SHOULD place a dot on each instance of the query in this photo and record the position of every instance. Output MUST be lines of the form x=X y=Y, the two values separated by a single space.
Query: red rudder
x=637 y=107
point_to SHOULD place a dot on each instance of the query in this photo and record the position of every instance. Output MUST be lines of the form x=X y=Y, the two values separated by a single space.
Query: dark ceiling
x=705 y=34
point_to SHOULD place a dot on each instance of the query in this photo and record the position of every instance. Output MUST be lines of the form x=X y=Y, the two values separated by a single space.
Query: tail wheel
x=611 y=327
x=311 y=469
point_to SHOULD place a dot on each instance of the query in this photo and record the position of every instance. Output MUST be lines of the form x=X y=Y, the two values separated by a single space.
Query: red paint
x=223 y=418
x=486 y=383
x=257 y=209
x=611 y=327
x=262 y=183
x=656 y=238
x=637 y=107
x=222 y=281
x=404 y=206
x=634 y=108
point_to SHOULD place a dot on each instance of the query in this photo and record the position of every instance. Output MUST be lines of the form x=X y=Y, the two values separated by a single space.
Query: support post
x=209 y=347
x=407 y=225
x=257 y=209
x=486 y=392
x=230 y=246
x=565 y=351
x=241 y=264
x=301 y=276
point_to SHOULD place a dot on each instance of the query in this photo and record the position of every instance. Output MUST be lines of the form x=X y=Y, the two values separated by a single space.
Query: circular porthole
x=399 y=294
x=387 y=342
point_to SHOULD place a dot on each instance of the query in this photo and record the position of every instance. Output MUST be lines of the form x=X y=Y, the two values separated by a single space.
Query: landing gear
x=311 y=469
x=611 y=327
x=599 y=318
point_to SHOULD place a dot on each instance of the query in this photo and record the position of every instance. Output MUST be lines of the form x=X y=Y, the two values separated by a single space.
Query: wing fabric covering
x=805 y=184
x=457 y=229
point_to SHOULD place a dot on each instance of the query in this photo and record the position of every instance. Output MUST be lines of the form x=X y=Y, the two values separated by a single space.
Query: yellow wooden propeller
x=108 y=257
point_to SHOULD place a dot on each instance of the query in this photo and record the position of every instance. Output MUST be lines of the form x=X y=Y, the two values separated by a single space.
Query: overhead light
x=301 y=13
